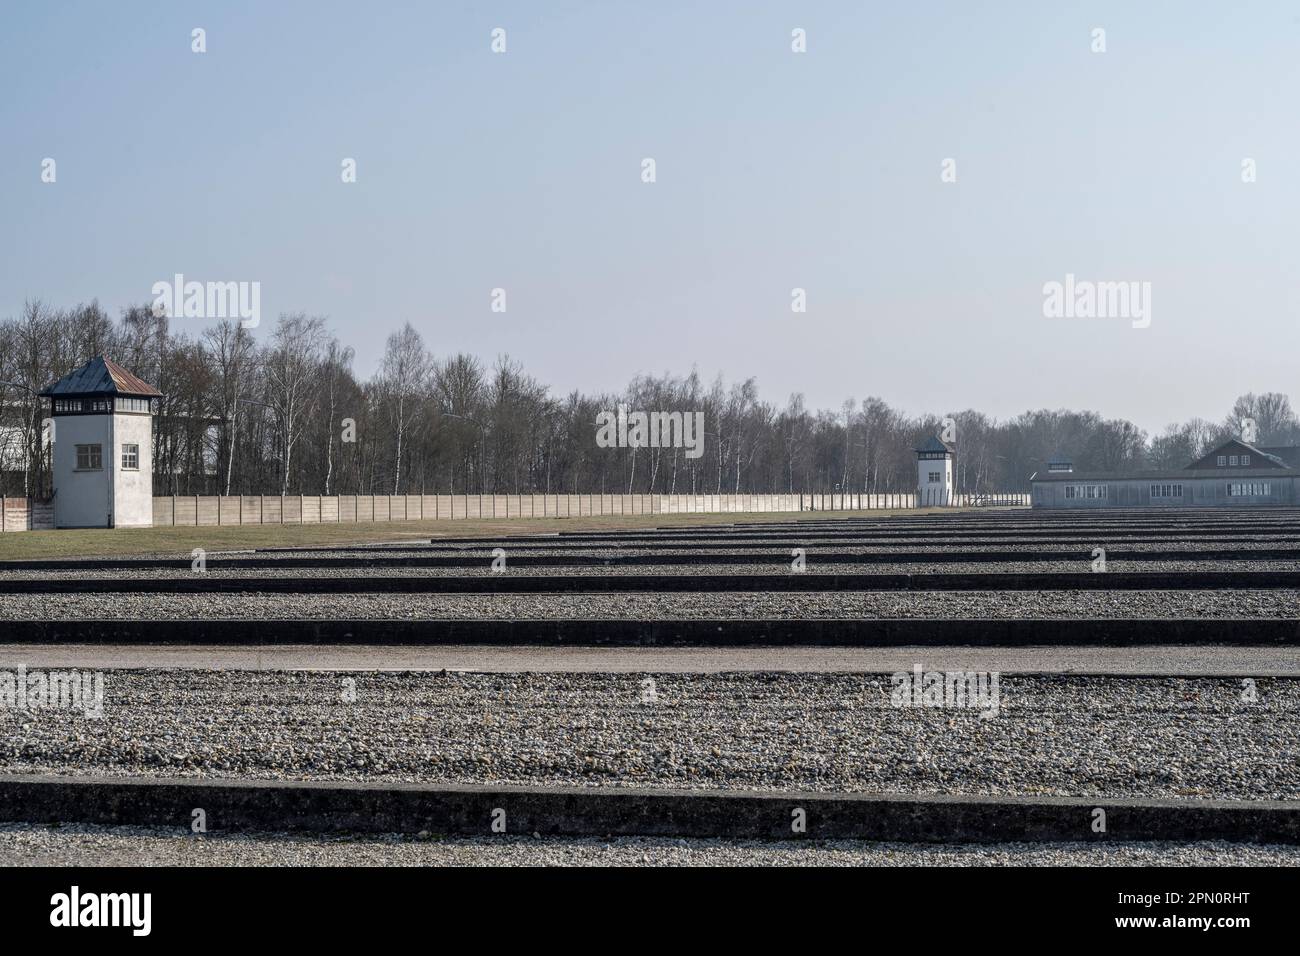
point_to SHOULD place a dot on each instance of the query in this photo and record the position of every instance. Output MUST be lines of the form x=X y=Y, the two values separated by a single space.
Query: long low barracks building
x=1234 y=475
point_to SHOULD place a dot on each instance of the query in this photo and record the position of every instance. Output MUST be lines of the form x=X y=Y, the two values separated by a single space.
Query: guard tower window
x=90 y=458
x=130 y=457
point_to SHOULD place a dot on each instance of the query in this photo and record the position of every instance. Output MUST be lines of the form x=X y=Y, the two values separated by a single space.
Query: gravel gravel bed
x=779 y=566
x=812 y=544
x=1220 y=603
x=1070 y=542
x=1071 y=545
x=24 y=845
x=1051 y=734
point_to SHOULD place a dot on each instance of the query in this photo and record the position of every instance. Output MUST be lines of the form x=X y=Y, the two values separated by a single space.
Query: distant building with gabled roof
x=1237 y=454
x=1236 y=474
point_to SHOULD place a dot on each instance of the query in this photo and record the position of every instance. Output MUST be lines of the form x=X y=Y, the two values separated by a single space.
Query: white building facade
x=934 y=473
x=103 y=447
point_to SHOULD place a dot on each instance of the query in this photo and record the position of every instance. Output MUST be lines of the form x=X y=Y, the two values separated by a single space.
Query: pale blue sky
x=775 y=170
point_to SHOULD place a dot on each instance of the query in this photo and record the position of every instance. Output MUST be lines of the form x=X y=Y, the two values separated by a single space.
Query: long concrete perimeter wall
x=22 y=514
x=25 y=514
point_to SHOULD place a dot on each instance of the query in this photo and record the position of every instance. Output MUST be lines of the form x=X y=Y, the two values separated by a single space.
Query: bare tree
x=267 y=418
x=402 y=380
x=1275 y=422
x=231 y=354
x=335 y=368
x=458 y=389
x=291 y=364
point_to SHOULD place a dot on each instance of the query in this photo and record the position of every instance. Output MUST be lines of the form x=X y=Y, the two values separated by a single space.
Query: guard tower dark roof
x=100 y=376
x=932 y=447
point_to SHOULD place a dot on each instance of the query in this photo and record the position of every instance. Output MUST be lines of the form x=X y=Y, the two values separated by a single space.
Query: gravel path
x=1142 y=661
x=1270 y=603
x=23 y=845
x=1080 y=550
x=1069 y=546
x=1082 y=736
x=779 y=566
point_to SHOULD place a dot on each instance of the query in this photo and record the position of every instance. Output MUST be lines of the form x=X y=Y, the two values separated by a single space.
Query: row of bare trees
x=287 y=414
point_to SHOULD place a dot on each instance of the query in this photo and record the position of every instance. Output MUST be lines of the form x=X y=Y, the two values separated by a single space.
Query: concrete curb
x=808 y=632
x=471 y=810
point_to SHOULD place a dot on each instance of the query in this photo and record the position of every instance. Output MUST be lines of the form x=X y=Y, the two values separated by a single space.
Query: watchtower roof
x=101 y=376
x=933 y=445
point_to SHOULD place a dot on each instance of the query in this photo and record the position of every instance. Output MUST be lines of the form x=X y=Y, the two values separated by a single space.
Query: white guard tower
x=103 y=447
x=934 y=473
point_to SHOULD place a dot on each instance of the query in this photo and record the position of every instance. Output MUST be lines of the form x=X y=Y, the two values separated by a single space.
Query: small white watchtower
x=934 y=472
x=103 y=447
